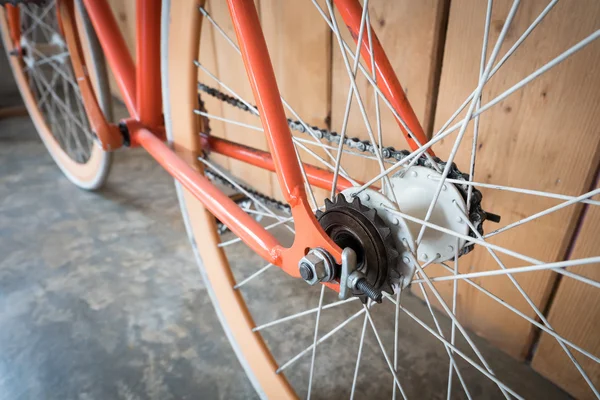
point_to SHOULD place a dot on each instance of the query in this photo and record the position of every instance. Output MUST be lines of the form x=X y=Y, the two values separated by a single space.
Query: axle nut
x=317 y=266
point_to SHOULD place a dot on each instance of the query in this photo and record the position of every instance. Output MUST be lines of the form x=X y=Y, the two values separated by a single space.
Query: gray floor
x=100 y=298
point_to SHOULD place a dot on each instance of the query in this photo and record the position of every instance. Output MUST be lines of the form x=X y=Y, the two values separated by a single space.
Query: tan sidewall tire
x=180 y=98
x=93 y=173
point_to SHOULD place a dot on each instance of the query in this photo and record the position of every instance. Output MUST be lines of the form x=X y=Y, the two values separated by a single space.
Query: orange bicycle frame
x=140 y=86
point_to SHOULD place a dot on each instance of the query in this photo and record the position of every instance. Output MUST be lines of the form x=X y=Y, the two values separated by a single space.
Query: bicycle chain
x=476 y=215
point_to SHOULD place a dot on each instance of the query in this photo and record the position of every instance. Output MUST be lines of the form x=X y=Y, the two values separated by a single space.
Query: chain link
x=477 y=215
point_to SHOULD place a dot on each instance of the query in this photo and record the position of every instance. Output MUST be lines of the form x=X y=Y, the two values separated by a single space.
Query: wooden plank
x=208 y=58
x=124 y=12
x=409 y=32
x=231 y=71
x=543 y=137
x=302 y=66
x=575 y=315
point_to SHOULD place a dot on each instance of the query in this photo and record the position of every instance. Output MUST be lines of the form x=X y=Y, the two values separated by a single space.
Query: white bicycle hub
x=380 y=232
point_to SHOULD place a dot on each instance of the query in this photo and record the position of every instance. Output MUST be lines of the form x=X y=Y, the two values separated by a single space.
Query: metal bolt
x=369 y=290
x=356 y=280
x=305 y=272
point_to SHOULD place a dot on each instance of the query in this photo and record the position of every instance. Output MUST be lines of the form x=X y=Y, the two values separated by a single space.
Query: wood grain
x=302 y=66
x=409 y=32
x=575 y=315
x=543 y=137
x=230 y=70
x=208 y=58
x=124 y=12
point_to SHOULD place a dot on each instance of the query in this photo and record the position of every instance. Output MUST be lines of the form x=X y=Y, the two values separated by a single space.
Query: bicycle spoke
x=508 y=54
x=470 y=111
x=359 y=101
x=536 y=74
x=260 y=213
x=254 y=275
x=553 y=266
x=74 y=133
x=530 y=302
x=484 y=46
x=457 y=351
x=314 y=349
x=360 y=347
x=396 y=318
x=59 y=69
x=443 y=134
x=300 y=314
x=46 y=60
x=452 y=316
x=347 y=151
x=518 y=190
x=58 y=101
x=50 y=114
x=366 y=74
x=464 y=237
x=229 y=121
x=521 y=314
x=45 y=29
x=274 y=225
x=439 y=330
x=244 y=191
x=387 y=360
x=352 y=75
x=283 y=101
x=375 y=94
x=321 y=340
x=41 y=99
x=294 y=139
x=543 y=213
x=34 y=25
x=453 y=327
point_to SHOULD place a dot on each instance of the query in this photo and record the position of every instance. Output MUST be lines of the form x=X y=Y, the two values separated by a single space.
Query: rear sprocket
x=354 y=225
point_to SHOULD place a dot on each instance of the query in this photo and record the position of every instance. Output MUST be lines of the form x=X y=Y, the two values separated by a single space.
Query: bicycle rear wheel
x=226 y=276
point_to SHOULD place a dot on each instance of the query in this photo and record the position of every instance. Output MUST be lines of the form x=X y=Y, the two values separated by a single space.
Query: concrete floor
x=100 y=298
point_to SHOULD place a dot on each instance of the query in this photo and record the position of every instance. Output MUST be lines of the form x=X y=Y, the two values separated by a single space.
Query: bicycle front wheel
x=42 y=69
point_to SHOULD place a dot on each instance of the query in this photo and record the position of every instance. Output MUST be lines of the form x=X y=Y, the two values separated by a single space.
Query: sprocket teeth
x=328 y=203
x=319 y=213
x=385 y=232
x=386 y=287
x=356 y=203
x=341 y=199
x=393 y=274
x=372 y=213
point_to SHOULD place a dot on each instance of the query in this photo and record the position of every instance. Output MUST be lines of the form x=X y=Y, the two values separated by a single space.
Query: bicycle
x=364 y=240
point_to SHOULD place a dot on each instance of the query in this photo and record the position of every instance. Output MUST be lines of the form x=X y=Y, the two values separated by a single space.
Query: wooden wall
x=544 y=137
